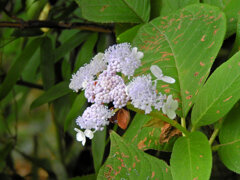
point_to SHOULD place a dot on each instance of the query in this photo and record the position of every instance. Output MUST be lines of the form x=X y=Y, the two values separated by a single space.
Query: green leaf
x=236 y=46
x=70 y=44
x=225 y=83
x=128 y=35
x=231 y=9
x=184 y=45
x=98 y=147
x=126 y=161
x=75 y=110
x=86 y=52
x=51 y=94
x=106 y=11
x=191 y=158
x=15 y=71
x=229 y=137
x=47 y=63
x=169 y=6
x=144 y=137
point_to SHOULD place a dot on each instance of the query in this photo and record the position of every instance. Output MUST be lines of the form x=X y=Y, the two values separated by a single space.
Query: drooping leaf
x=128 y=35
x=236 y=46
x=169 y=6
x=229 y=137
x=105 y=11
x=47 y=63
x=219 y=94
x=183 y=45
x=145 y=137
x=126 y=161
x=191 y=158
x=231 y=9
x=98 y=147
x=51 y=94
x=86 y=52
x=75 y=110
x=15 y=71
x=70 y=44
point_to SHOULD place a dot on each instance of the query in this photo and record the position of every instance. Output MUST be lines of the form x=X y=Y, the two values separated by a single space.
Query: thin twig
x=55 y=25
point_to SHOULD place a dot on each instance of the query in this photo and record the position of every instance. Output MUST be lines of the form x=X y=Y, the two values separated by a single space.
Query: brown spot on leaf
x=104 y=7
x=202 y=64
x=189 y=104
x=231 y=20
x=166 y=85
x=215 y=31
x=217 y=111
x=166 y=170
x=227 y=99
x=239 y=63
x=211 y=44
x=201 y=156
x=167 y=90
x=197 y=167
x=187 y=92
x=108 y=174
x=136 y=159
x=124 y=155
x=167 y=132
x=203 y=38
x=153 y=174
x=196 y=178
x=196 y=73
x=189 y=97
x=134 y=165
x=142 y=144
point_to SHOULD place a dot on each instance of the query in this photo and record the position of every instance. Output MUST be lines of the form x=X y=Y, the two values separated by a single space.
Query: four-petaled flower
x=170 y=107
x=81 y=136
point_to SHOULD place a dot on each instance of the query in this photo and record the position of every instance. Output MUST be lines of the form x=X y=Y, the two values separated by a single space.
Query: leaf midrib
x=216 y=99
x=133 y=10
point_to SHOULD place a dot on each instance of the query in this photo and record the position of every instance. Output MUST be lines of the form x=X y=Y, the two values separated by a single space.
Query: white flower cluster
x=103 y=85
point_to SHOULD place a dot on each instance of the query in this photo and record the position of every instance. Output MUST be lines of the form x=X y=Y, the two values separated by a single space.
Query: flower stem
x=183 y=123
x=163 y=118
x=215 y=132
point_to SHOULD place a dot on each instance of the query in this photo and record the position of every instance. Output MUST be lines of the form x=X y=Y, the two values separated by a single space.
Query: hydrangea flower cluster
x=103 y=85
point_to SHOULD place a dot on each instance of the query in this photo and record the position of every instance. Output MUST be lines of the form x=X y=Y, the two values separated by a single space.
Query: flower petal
x=168 y=79
x=171 y=114
x=174 y=105
x=88 y=133
x=156 y=71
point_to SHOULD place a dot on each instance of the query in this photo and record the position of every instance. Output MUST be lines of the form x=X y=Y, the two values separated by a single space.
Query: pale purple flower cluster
x=142 y=92
x=103 y=85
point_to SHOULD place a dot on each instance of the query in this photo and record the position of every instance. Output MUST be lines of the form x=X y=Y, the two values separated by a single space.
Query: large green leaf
x=229 y=137
x=15 y=71
x=126 y=161
x=231 y=9
x=169 y=6
x=98 y=147
x=133 y=11
x=191 y=158
x=51 y=94
x=184 y=45
x=219 y=94
x=47 y=63
x=144 y=137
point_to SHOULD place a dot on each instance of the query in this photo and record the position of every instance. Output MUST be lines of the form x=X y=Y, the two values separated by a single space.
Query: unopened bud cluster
x=103 y=85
